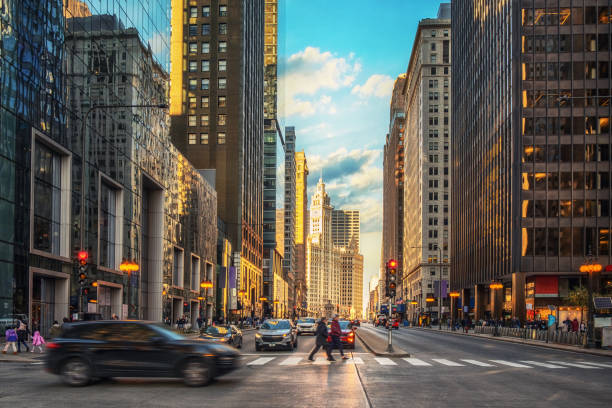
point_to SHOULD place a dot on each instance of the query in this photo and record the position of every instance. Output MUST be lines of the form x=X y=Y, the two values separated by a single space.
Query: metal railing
x=551 y=336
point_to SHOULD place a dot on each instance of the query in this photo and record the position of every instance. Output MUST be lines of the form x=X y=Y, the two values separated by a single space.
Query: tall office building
x=301 y=229
x=345 y=228
x=290 y=174
x=217 y=111
x=426 y=165
x=351 y=282
x=531 y=153
x=393 y=182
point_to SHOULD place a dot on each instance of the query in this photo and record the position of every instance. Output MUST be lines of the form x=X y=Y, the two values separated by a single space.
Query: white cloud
x=309 y=72
x=377 y=85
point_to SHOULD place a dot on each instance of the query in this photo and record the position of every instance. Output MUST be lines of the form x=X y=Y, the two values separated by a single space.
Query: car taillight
x=351 y=334
x=52 y=345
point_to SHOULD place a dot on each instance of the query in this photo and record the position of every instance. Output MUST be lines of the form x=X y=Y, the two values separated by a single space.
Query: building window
x=193 y=30
x=204 y=102
x=205 y=11
x=193 y=84
x=433 y=33
x=221 y=138
x=191 y=138
x=109 y=200
x=222 y=83
x=205 y=47
x=433 y=70
x=222 y=46
x=433 y=58
x=205 y=84
x=192 y=120
x=222 y=11
x=223 y=28
x=222 y=120
x=178 y=271
x=446 y=33
x=222 y=101
x=205 y=65
x=204 y=120
x=193 y=66
x=193 y=12
x=222 y=65
x=433 y=46
x=205 y=29
x=193 y=47
x=195 y=273
x=193 y=102
x=204 y=138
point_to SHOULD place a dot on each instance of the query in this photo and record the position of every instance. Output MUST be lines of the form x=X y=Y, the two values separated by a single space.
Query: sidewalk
x=537 y=343
x=377 y=344
x=23 y=357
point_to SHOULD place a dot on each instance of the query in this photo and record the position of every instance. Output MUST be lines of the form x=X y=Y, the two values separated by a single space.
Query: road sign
x=384 y=309
x=602 y=302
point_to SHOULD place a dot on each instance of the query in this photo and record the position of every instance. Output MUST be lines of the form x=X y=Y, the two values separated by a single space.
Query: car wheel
x=197 y=373
x=76 y=372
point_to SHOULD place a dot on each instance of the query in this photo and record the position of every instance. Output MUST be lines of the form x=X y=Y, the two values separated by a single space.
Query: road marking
x=261 y=361
x=575 y=365
x=478 y=363
x=322 y=361
x=416 y=362
x=38 y=363
x=447 y=362
x=511 y=364
x=597 y=364
x=539 y=364
x=385 y=361
x=354 y=360
x=291 y=361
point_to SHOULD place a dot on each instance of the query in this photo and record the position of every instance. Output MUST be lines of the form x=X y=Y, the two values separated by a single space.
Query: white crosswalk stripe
x=261 y=361
x=539 y=364
x=385 y=361
x=478 y=363
x=321 y=361
x=575 y=365
x=446 y=362
x=291 y=361
x=354 y=360
x=416 y=362
x=511 y=364
x=597 y=364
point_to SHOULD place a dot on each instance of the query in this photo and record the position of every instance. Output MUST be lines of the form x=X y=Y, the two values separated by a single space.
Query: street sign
x=602 y=302
x=384 y=309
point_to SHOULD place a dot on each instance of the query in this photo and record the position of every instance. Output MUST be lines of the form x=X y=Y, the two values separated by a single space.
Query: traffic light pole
x=389 y=330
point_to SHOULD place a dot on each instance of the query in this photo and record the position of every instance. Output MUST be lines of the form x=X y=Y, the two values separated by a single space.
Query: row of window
x=559 y=98
x=434 y=209
x=193 y=11
x=566 y=208
x=204 y=102
x=435 y=109
x=433 y=158
x=204 y=29
x=205 y=47
x=566 y=241
x=205 y=84
x=433 y=183
x=565 y=16
x=433 y=171
x=565 y=43
x=574 y=125
x=434 y=70
x=205 y=65
x=434 y=96
x=565 y=71
x=434 y=221
x=433 y=196
x=434 y=121
x=192 y=138
x=566 y=180
x=433 y=83
x=433 y=133
x=192 y=120
x=566 y=153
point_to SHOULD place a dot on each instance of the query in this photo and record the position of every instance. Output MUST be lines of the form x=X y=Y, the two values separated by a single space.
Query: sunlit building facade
x=301 y=230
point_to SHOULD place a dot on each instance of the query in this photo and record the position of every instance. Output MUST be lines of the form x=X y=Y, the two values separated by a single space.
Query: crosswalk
x=421 y=363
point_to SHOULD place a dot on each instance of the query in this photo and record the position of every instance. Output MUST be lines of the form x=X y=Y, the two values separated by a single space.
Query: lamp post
x=205 y=285
x=590 y=267
x=128 y=266
x=453 y=296
x=495 y=286
x=414 y=304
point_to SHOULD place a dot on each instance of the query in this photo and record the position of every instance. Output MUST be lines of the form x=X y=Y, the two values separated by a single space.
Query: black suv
x=106 y=349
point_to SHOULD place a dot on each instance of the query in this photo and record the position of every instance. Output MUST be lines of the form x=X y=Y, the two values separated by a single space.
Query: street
x=443 y=370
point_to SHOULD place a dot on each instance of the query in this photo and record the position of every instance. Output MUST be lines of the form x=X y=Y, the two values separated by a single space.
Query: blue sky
x=338 y=60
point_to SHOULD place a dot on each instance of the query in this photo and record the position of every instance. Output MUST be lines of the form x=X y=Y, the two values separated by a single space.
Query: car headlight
x=258 y=335
x=285 y=335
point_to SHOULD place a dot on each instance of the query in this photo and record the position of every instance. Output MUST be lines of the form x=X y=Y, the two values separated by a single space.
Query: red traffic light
x=82 y=257
x=392 y=263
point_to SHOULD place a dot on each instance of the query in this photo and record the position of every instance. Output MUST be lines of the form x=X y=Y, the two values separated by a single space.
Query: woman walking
x=37 y=341
x=11 y=339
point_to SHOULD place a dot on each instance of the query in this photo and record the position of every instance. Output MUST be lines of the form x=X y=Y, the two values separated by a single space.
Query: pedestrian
x=321 y=340
x=200 y=321
x=22 y=336
x=575 y=325
x=336 y=332
x=114 y=317
x=64 y=321
x=37 y=341
x=468 y=324
x=583 y=327
x=11 y=339
x=55 y=330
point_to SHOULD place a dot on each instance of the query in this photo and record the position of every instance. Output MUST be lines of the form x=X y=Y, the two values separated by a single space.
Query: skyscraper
x=426 y=165
x=531 y=153
x=301 y=227
x=217 y=110
x=351 y=282
x=345 y=228
x=289 y=225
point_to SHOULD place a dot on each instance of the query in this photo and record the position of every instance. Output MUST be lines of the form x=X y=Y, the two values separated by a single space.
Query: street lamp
x=453 y=296
x=590 y=267
x=495 y=286
x=128 y=266
x=414 y=303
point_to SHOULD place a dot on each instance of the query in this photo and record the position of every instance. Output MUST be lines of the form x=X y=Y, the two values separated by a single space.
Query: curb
x=518 y=341
x=376 y=353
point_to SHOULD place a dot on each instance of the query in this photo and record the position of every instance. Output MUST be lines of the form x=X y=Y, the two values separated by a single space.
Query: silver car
x=306 y=325
x=276 y=334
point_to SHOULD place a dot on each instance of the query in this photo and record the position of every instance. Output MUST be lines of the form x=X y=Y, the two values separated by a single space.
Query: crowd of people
x=18 y=335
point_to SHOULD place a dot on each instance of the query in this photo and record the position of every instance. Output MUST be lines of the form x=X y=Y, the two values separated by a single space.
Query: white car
x=306 y=325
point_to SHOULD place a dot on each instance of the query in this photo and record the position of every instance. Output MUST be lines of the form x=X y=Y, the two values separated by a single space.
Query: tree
x=579 y=297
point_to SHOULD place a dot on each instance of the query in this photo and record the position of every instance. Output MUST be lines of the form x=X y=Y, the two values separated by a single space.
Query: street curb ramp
x=371 y=342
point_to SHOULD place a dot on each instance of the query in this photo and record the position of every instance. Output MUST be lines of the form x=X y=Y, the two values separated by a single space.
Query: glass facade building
x=530 y=153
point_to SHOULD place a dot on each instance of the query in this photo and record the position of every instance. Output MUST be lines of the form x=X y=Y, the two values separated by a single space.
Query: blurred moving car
x=275 y=334
x=230 y=335
x=112 y=348
x=356 y=323
x=348 y=334
x=306 y=325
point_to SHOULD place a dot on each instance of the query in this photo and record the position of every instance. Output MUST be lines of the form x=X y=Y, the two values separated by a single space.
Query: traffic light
x=391 y=278
x=82 y=256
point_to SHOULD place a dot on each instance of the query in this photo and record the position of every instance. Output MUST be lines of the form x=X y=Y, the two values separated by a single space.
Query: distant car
x=395 y=324
x=356 y=323
x=306 y=325
x=230 y=335
x=348 y=334
x=276 y=334
x=111 y=348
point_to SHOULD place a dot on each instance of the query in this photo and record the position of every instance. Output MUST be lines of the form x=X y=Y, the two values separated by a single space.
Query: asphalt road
x=443 y=370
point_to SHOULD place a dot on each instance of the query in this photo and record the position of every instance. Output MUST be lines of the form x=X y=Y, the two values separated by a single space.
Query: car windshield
x=169 y=334
x=217 y=331
x=306 y=321
x=276 y=325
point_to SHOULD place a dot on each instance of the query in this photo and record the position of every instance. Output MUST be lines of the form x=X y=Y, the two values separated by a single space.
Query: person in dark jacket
x=336 y=333
x=22 y=336
x=321 y=340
